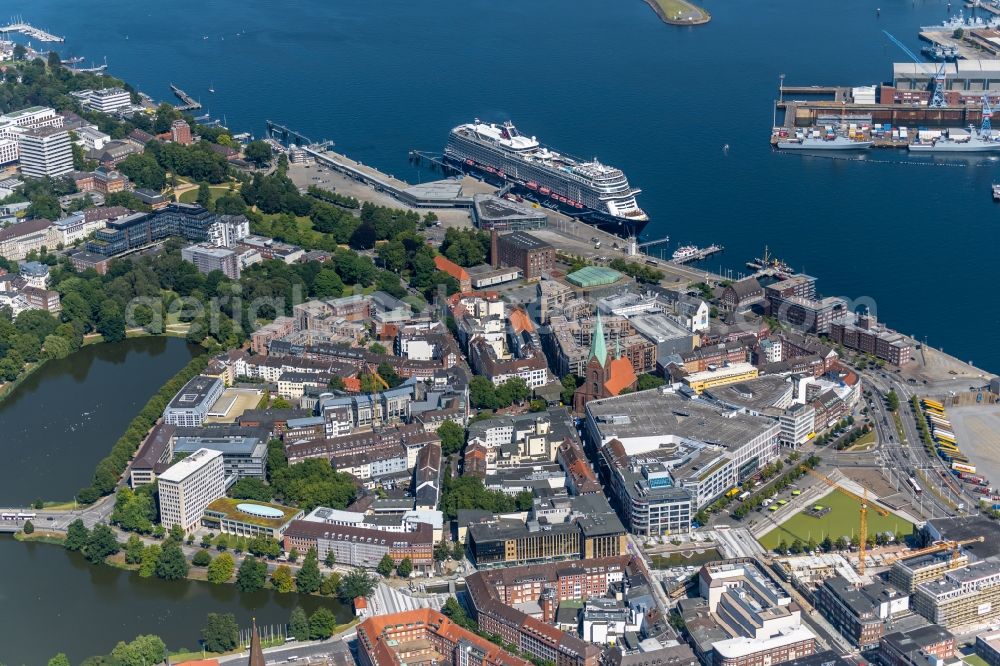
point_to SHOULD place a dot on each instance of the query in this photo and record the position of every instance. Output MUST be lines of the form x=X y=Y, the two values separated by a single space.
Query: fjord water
x=604 y=78
x=67 y=415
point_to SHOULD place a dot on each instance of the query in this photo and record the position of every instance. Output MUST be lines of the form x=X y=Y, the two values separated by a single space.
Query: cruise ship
x=595 y=192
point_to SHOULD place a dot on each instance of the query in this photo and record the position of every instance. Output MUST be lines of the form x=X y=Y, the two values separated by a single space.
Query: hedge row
x=111 y=468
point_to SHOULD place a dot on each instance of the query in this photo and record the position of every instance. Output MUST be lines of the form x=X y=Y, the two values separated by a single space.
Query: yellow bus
x=933 y=404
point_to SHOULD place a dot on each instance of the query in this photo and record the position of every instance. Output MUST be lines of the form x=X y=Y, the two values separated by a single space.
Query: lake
x=66 y=416
x=55 y=601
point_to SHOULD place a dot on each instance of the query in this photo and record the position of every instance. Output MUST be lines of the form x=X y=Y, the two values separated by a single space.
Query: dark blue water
x=604 y=78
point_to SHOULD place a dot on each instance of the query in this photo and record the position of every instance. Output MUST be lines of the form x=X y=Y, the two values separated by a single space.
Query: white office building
x=192 y=403
x=189 y=486
x=32 y=117
x=45 y=152
x=109 y=100
x=91 y=138
x=8 y=151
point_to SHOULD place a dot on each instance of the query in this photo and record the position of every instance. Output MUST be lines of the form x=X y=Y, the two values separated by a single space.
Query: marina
x=29 y=30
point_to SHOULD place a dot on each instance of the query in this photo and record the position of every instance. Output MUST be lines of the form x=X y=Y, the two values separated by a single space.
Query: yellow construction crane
x=863 y=531
x=953 y=546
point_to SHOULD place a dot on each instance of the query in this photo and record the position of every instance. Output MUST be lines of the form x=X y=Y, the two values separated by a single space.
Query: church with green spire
x=605 y=376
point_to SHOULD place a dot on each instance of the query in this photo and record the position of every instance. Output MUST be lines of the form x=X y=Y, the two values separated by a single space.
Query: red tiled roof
x=451 y=268
x=622 y=376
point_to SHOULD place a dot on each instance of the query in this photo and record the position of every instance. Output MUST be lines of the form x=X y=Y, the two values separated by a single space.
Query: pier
x=702 y=253
x=31 y=31
x=189 y=103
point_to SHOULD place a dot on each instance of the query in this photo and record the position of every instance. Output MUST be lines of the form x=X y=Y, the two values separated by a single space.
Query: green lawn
x=217 y=191
x=842 y=520
x=681 y=9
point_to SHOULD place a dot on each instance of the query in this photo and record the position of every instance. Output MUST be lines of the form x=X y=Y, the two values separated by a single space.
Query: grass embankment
x=864 y=442
x=679 y=12
x=843 y=520
x=39 y=536
x=190 y=196
x=27 y=371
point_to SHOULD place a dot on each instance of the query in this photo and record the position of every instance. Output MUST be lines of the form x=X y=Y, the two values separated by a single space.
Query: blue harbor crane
x=937 y=99
x=986 y=129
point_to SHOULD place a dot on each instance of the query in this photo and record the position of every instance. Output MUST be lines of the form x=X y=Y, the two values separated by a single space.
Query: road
x=908 y=456
x=58 y=521
x=337 y=651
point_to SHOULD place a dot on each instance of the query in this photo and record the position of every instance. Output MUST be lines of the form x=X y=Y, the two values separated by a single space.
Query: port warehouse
x=904 y=102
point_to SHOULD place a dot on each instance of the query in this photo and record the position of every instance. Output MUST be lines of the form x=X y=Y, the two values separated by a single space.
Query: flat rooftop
x=753 y=394
x=188 y=466
x=660 y=413
x=194 y=393
x=254 y=512
x=492 y=208
x=524 y=240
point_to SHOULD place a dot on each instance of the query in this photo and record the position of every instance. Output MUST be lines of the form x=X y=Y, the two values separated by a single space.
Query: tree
x=452 y=437
x=252 y=575
x=298 y=624
x=454 y=612
x=76 y=535
x=458 y=551
x=150 y=556
x=385 y=565
x=252 y=488
x=221 y=569
x=202 y=558
x=648 y=381
x=60 y=659
x=293 y=555
x=19 y=52
x=282 y=579
x=44 y=206
x=309 y=578
x=782 y=547
x=826 y=544
x=405 y=568
x=143 y=651
x=134 y=550
x=171 y=564
x=204 y=194
x=322 y=623
x=524 y=499
x=330 y=559
x=28 y=528
x=100 y=544
x=220 y=633
x=355 y=584
x=569 y=386
x=257 y=152
x=442 y=551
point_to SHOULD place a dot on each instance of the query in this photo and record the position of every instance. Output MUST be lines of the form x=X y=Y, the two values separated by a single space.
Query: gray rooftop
x=753 y=394
x=657 y=412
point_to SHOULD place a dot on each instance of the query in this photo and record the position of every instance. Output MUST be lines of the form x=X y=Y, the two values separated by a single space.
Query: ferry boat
x=597 y=193
x=685 y=252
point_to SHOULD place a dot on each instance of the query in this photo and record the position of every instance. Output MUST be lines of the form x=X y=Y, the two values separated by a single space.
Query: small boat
x=501 y=174
x=578 y=204
x=469 y=162
x=996 y=191
x=211 y=88
x=531 y=185
x=544 y=190
x=491 y=169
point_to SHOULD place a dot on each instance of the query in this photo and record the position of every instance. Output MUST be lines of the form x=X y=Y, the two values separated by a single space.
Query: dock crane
x=863 y=530
x=985 y=129
x=937 y=99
